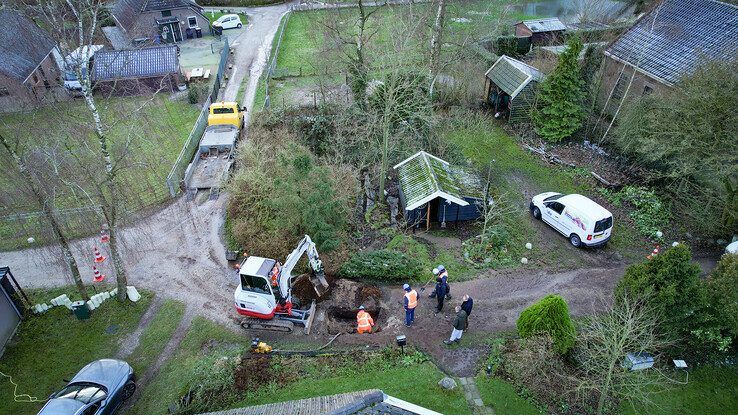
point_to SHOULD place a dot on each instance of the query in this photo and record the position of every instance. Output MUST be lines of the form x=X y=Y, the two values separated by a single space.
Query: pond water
x=572 y=11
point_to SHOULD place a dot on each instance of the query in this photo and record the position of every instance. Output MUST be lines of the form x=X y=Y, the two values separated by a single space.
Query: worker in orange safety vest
x=364 y=321
x=274 y=274
x=410 y=301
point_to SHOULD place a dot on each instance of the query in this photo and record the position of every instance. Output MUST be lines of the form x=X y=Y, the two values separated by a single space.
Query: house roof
x=424 y=177
x=23 y=45
x=135 y=63
x=512 y=75
x=674 y=38
x=126 y=12
x=551 y=24
x=367 y=402
x=154 y=5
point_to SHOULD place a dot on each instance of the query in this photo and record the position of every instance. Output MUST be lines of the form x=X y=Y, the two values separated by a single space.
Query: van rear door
x=602 y=228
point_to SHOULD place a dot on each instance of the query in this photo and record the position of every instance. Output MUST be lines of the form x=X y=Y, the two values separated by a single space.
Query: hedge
x=550 y=315
x=382 y=265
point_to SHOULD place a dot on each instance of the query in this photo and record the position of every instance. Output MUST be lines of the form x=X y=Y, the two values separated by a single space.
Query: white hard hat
x=436 y=271
x=406 y=287
x=441 y=268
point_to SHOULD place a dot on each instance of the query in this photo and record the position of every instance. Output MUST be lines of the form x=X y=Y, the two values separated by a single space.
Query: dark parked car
x=98 y=389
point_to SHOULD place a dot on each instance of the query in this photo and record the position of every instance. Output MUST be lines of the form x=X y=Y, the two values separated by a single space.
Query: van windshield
x=603 y=224
x=550 y=198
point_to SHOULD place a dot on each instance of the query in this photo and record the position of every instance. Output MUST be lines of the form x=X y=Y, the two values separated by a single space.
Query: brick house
x=160 y=21
x=30 y=62
x=667 y=44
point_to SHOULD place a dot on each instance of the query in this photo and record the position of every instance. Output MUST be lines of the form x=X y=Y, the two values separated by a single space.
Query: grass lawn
x=153 y=135
x=710 y=391
x=156 y=335
x=53 y=346
x=317 y=376
x=503 y=398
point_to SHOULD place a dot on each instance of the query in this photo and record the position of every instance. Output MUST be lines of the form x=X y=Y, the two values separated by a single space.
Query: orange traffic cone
x=98 y=276
x=654 y=252
x=98 y=256
x=104 y=234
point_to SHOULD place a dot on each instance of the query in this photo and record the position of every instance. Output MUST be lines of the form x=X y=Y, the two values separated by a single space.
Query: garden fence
x=273 y=63
x=176 y=175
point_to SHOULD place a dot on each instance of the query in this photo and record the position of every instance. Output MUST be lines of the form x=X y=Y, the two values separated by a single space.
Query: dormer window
x=166 y=13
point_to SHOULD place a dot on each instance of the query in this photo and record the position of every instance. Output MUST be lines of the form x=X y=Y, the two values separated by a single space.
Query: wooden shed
x=541 y=32
x=431 y=190
x=510 y=87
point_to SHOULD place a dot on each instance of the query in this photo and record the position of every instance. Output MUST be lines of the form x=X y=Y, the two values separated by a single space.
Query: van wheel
x=239 y=25
x=536 y=213
x=574 y=239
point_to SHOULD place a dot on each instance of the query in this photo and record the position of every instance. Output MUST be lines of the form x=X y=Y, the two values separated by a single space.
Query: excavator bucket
x=319 y=282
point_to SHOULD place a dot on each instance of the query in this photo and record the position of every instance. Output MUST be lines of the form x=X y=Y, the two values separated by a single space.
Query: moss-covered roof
x=512 y=75
x=423 y=177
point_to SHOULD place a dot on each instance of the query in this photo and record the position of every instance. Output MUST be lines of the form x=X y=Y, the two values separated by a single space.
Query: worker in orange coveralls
x=364 y=321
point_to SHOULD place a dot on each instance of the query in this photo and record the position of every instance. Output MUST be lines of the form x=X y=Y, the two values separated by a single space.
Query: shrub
x=382 y=265
x=511 y=46
x=650 y=214
x=193 y=94
x=550 y=315
x=671 y=285
x=722 y=289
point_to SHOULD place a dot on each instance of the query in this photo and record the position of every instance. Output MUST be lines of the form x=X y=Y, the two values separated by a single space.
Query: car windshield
x=550 y=198
x=223 y=110
x=83 y=392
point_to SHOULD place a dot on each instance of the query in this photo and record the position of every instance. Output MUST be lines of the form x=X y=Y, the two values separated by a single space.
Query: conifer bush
x=550 y=315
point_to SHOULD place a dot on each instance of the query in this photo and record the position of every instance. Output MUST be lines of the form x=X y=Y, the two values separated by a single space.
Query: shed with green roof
x=510 y=87
x=431 y=190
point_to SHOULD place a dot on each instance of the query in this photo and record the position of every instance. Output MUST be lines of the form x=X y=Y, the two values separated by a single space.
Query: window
x=83 y=392
x=92 y=409
x=192 y=21
x=4 y=92
x=554 y=197
x=35 y=79
x=166 y=13
x=556 y=207
x=255 y=284
x=647 y=90
x=223 y=111
x=603 y=225
x=619 y=88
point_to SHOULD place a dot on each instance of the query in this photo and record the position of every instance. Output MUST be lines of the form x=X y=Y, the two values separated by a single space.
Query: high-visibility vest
x=275 y=276
x=412 y=299
x=364 y=321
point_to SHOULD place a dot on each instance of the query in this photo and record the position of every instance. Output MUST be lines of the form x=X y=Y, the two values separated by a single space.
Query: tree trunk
x=110 y=201
x=383 y=166
x=49 y=213
x=435 y=58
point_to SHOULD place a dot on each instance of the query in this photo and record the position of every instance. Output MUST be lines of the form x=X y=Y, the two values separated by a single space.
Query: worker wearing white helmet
x=410 y=301
x=442 y=273
x=364 y=321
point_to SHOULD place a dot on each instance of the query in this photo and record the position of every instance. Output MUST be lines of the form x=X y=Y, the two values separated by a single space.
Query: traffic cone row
x=98 y=277
x=98 y=256
x=654 y=252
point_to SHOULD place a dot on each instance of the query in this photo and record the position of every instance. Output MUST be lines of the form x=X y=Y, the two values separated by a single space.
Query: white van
x=577 y=217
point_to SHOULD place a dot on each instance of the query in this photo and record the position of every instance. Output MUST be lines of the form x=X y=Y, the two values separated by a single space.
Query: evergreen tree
x=560 y=106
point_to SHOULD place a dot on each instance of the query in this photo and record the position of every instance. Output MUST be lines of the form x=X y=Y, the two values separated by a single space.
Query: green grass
x=156 y=335
x=710 y=391
x=503 y=398
x=156 y=134
x=53 y=346
x=415 y=383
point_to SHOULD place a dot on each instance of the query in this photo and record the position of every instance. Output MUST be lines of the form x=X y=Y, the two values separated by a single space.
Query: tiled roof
x=126 y=12
x=135 y=63
x=424 y=177
x=23 y=45
x=551 y=24
x=512 y=75
x=153 y=5
x=673 y=39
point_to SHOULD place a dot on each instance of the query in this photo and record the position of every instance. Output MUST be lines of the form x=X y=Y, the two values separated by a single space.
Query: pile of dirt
x=253 y=372
x=303 y=289
x=343 y=304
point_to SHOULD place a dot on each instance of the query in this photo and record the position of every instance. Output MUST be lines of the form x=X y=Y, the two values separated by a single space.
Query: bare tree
x=628 y=325
x=435 y=44
x=47 y=206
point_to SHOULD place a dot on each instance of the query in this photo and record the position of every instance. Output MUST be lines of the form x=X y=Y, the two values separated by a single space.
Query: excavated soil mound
x=253 y=372
x=303 y=289
x=343 y=304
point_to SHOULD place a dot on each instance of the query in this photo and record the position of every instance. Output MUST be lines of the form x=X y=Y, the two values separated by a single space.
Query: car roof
x=227 y=15
x=61 y=406
x=585 y=206
x=256 y=265
x=105 y=372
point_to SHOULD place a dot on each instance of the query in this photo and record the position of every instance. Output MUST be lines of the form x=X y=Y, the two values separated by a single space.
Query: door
x=552 y=214
x=177 y=32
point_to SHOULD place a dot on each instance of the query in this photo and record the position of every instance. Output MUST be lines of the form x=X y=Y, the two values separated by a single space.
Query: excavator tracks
x=270 y=325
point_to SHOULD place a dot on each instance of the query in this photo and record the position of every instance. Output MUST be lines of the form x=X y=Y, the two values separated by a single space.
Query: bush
x=382 y=265
x=511 y=46
x=650 y=214
x=671 y=285
x=550 y=315
x=722 y=289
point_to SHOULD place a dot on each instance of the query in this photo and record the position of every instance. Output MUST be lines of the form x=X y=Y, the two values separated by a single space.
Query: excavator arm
x=317 y=277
